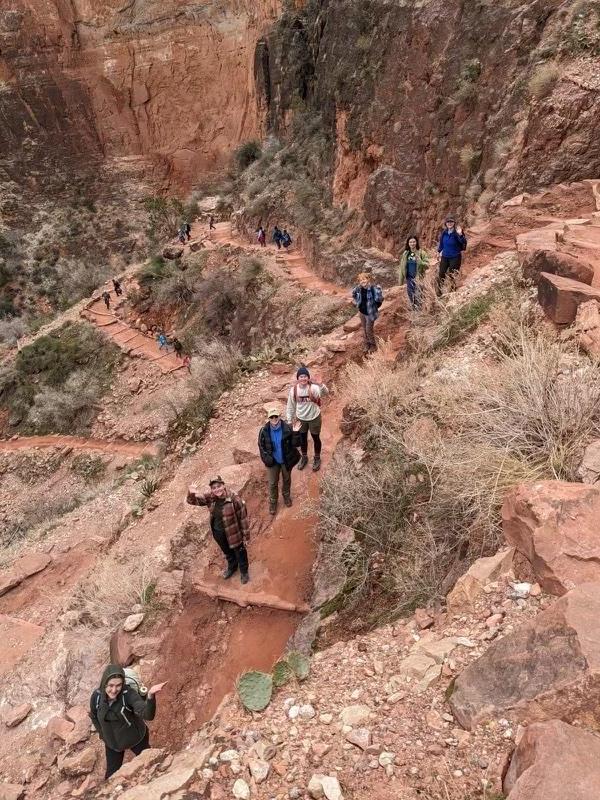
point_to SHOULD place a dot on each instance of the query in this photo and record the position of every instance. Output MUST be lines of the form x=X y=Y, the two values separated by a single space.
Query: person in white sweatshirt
x=304 y=405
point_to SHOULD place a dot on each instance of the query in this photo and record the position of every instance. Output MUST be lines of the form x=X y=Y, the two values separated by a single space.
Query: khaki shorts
x=314 y=426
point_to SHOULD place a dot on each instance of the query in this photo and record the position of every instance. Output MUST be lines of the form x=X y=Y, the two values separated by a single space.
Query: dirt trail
x=292 y=264
x=116 y=447
x=132 y=341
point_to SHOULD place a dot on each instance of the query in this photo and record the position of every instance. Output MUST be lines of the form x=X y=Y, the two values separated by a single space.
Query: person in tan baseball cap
x=279 y=454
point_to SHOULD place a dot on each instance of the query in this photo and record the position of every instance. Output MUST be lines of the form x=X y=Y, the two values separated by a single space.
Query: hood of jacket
x=112 y=671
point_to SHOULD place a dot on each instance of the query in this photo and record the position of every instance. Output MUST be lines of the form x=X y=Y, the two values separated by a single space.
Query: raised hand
x=156 y=688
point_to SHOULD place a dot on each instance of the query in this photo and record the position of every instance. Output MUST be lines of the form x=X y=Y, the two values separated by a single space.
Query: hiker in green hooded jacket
x=118 y=713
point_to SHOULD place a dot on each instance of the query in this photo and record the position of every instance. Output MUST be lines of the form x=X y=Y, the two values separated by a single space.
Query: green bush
x=88 y=466
x=247 y=154
x=55 y=383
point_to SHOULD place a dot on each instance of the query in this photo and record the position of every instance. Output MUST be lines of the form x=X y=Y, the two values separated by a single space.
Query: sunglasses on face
x=274 y=416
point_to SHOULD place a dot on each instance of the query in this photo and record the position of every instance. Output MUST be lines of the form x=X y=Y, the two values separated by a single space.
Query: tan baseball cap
x=273 y=411
x=216 y=479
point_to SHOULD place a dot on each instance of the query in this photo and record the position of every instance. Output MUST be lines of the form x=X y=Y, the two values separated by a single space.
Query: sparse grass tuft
x=441 y=450
x=89 y=467
x=543 y=80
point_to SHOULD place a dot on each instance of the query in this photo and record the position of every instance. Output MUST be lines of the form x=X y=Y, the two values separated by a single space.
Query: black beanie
x=302 y=371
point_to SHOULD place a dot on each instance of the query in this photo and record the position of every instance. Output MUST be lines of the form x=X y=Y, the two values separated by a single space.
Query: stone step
x=560 y=297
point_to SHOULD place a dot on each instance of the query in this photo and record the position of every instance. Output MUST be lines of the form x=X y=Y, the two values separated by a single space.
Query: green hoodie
x=121 y=723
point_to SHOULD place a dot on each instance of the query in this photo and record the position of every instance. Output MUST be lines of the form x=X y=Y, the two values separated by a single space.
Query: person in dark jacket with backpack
x=119 y=714
x=367 y=297
x=279 y=455
x=452 y=243
x=228 y=523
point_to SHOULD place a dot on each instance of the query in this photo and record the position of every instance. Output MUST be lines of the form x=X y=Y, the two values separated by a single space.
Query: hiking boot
x=316 y=463
x=287 y=501
x=244 y=577
x=272 y=509
x=229 y=572
x=303 y=462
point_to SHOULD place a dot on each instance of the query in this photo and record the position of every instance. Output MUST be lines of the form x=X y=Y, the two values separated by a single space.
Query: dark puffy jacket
x=452 y=244
x=121 y=724
x=291 y=456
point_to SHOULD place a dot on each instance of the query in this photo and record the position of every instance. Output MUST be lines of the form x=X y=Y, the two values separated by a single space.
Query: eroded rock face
x=554 y=760
x=556 y=526
x=560 y=297
x=548 y=668
x=135 y=80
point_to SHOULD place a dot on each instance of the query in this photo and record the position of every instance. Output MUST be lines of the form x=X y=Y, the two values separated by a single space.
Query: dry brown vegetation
x=442 y=446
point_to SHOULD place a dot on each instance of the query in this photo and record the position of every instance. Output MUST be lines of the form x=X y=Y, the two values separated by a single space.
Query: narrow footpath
x=115 y=447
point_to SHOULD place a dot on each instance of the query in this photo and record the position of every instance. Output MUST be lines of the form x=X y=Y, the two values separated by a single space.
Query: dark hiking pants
x=449 y=267
x=286 y=482
x=114 y=758
x=367 y=326
x=236 y=556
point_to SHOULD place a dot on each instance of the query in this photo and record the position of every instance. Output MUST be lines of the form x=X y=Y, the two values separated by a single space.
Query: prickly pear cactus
x=255 y=690
x=299 y=663
x=282 y=673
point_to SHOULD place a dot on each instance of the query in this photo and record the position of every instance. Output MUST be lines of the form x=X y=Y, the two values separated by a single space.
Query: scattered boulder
x=146 y=759
x=121 y=648
x=59 y=728
x=534 y=262
x=196 y=245
x=554 y=524
x=11 y=791
x=241 y=790
x=324 y=786
x=420 y=667
x=548 y=668
x=79 y=763
x=587 y=327
x=22 y=569
x=133 y=622
x=243 y=456
x=355 y=715
x=560 y=297
x=359 y=737
x=161 y=787
x=259 y=769
x=352 y=325
x=552 y=761
x=423 y=619
x=15 y=716
x=172 y=252
x=485 y=570
x=589 y=471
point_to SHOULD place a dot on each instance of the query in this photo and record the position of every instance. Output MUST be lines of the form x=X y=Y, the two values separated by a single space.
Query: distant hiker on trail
x=162 y=341
x=452 y=243
x=188 y=230
x=279 y=455
x=117 y=285
x=177 y=346
x=228 y=523
x=304 y=404
x=187 y=362
x=181 y=234
x=118 y=712
x=211 y=223
x=367 y=297
x=261 y=236
x=413 y=264
x=286 y=239
x=106 y=298
x=277 y=236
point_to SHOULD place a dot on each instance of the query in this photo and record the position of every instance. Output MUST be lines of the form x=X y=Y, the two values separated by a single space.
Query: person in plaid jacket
x=228 y=524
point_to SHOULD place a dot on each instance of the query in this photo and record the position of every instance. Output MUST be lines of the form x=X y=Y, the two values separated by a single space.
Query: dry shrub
x=441 y=452
x=543 y=80
x=112 y=589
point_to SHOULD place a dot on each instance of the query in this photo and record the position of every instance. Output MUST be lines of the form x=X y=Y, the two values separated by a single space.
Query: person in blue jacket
x=452 y=243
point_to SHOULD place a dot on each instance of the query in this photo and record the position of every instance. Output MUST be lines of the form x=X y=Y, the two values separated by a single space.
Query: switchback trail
x=132 y=341
x=116 y=447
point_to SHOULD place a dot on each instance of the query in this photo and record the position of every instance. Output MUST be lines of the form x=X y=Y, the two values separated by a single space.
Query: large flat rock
x=560 y=297
x=548 y=668
x=554 y=761
x=534 y=262
x=17 y=637
x=556 y=526
x=22 y=569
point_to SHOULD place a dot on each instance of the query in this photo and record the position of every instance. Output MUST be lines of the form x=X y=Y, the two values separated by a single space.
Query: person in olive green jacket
x=413 y=265
x=118 y=713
